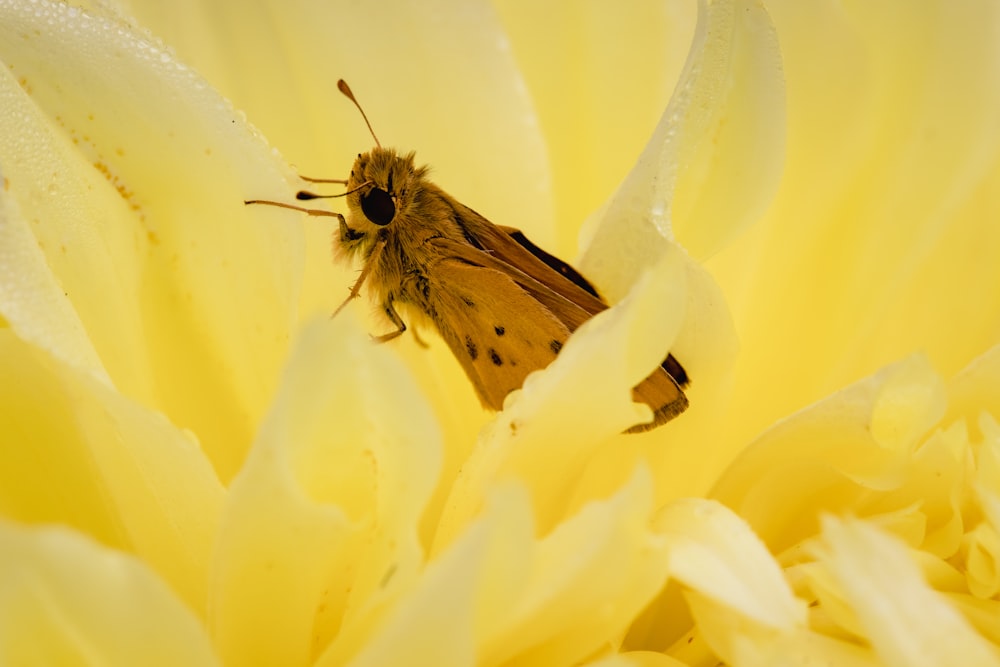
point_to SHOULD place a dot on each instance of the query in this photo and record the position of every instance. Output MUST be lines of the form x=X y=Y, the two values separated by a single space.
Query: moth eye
x=378 y=206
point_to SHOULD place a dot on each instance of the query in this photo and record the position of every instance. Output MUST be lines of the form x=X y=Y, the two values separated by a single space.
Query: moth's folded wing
x=497 y=330
x=663 y=395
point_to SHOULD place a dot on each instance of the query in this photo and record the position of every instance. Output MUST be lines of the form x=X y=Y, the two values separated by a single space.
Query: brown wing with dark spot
x=498 y=332
x=539 y=288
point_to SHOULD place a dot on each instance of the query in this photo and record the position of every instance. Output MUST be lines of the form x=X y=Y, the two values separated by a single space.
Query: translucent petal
x=637 y=659
x=322 y=522
x=161 y=271
x=553 y=600
x=599 y=79
x=983 y=550
x=714 y=552
x=32 y=302
x=78 y=453
x=880 y=241
x=588 y=580
x=733 y=70
x=66 y=600
x=975 y=391
x=831 y=456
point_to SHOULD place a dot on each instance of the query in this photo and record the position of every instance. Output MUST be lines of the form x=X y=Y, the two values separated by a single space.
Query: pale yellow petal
x=743 y=608
x=731 y=87
x=983 y=549
x=591 y=379
x=65 y=600
x=438 y=619
x=637 y=659
x=880 y=242
x=32 y=302
x=553 y=600
x=833 y=454
x=975 y=391
x=78 y=453
x=132 y=173
x=600 y=76
x=322 y=522
x=984 y=615
x=589 y=578
x=988 y=456
x=906 y=622
x=712 y=551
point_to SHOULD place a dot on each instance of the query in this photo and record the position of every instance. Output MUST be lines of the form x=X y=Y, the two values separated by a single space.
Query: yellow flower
x=199 y=467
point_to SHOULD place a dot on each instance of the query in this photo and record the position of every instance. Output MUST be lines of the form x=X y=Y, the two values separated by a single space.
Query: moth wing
x=513 y=248
x=663 y=394
x=558 y=290
x=594 y=305
x=497 y=331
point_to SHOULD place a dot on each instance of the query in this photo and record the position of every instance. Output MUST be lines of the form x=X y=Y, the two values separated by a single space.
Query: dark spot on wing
x=500 y=330
x=555 y=346
x=495 y=358
x=471 y=347
x=468 y=302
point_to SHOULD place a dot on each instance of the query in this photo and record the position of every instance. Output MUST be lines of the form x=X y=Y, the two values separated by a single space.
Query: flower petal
x=161 y=271
x=66 y=600
x=638 y=659
x=32 y=302
x=553 y=600
x=857 y=441
x=880 y=242
x=78 y=453
x=592 y=378
x=599 y=77
x=732 y=71
x=714 y=552
x=589 y=578
x=906 y=622
x=322 y=522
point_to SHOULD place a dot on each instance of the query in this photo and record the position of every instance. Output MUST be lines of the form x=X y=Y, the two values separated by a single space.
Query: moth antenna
x=346 y=90
x=310 y=179
x=305 y=195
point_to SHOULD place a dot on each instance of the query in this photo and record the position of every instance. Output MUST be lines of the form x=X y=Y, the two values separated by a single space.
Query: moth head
x=382 y=184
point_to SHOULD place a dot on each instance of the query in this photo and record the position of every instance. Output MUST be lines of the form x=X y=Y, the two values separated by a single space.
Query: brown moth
x=503 y=305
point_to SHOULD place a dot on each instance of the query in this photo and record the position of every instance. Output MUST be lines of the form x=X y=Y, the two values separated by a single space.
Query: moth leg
x=347 y=235
x=396 y=319
x=356 y=287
